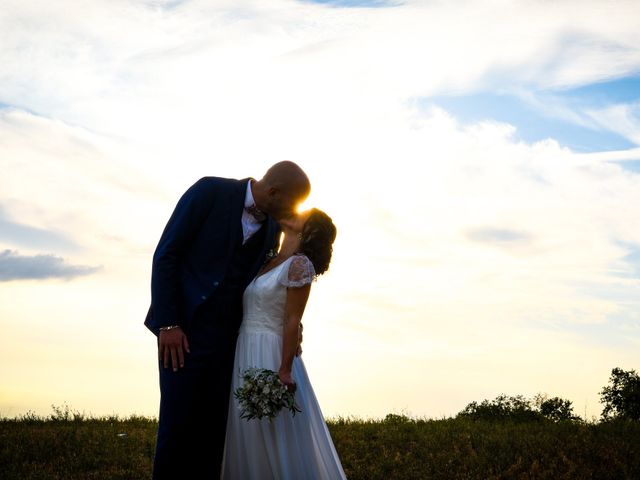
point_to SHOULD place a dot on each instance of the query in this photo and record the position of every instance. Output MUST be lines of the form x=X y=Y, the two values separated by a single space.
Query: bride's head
x=316 y=233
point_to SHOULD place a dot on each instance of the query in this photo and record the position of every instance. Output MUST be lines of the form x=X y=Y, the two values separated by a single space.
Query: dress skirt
x=286 y=447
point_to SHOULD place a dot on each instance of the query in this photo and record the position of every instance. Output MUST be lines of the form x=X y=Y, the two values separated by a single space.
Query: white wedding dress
x=288 y=447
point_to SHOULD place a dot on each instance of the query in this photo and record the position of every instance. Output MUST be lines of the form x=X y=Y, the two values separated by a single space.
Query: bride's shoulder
x=299 y=257
x=299 y=272
x=302 y=262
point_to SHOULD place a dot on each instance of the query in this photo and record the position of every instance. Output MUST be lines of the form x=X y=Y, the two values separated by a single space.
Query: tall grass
x=460 y=448
x=71 y=445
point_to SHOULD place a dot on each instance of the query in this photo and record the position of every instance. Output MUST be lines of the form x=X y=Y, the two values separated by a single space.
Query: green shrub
x=503 y=407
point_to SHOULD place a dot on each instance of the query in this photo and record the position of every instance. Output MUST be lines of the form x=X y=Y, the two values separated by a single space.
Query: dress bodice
x=264 y=299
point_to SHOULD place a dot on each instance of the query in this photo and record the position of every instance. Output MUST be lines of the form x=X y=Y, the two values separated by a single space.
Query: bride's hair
x=318 y=235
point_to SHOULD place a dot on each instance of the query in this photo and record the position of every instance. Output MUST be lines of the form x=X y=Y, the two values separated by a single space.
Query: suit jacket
x=195 y=249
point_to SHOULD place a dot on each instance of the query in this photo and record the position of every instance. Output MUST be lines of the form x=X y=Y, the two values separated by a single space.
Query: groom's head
x=283 y=187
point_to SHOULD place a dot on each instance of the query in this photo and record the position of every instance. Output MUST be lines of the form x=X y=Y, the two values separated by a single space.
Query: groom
x=214 y=243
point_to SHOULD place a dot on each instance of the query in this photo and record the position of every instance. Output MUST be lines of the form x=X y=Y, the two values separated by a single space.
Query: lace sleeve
x=299 y=272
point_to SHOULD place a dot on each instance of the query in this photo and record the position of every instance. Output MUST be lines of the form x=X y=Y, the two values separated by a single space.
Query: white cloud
x=119 y=107
x=67 y=179
x=222 y=62
x=623 y=119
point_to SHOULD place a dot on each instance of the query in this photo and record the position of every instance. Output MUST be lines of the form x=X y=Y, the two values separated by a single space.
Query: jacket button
x=215 y=284
x=204 y=297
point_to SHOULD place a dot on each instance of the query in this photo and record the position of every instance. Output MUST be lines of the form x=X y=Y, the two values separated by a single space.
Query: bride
x=288 y=447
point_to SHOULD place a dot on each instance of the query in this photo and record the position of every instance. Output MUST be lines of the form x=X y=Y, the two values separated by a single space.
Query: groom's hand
x=172 y=343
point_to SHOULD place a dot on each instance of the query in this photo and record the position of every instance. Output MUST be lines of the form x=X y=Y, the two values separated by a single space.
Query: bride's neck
x=290 y=243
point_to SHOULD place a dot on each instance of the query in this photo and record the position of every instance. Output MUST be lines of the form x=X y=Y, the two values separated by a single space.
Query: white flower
x=263 y=395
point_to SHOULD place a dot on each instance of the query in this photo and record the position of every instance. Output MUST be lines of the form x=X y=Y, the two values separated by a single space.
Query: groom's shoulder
x=219 y=181
x=218 y=184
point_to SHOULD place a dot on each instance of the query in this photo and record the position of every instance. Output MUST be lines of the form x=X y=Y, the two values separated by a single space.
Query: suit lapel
x=269 y=238
x=267 y=243
x=272 y=229
x=237 y=207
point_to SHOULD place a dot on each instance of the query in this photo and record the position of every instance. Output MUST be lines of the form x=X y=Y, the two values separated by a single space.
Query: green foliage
x=71 y=445
x=65 y=414
x=520 y=409
x=621 y=398
x=398 y=447
x=503 y=407
x=393 y=418
x=556 y=409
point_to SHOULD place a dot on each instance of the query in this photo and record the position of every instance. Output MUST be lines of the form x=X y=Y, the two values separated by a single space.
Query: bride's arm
x=296 y=301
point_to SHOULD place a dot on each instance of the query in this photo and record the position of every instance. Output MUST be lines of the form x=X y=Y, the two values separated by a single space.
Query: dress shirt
x=249 y=224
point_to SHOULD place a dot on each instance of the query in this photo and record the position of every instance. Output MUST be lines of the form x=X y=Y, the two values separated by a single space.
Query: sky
x=480 y=159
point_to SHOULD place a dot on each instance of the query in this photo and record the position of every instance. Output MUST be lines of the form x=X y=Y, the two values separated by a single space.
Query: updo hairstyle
x=318 y=235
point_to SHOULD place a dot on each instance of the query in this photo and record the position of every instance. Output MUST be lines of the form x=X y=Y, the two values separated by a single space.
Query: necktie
x=256 y=213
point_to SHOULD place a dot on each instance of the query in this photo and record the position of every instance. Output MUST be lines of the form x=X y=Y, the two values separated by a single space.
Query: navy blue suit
x=200 y=270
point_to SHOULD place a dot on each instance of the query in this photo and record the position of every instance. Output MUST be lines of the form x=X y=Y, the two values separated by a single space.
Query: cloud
x=356 y=3
x=34 y=237
x=117 y=107
x=623 y=119
x=71 y=189
x=595 y=117
x=498 y=236
x=203 y=67
x=14 y=266
x=629 y=265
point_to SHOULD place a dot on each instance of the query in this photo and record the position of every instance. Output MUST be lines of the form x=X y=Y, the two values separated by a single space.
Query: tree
x=621 y=398
x=503 y=407
x=555 y=408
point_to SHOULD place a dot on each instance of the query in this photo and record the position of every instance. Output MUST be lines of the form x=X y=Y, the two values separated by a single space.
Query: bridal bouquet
x=263 y=395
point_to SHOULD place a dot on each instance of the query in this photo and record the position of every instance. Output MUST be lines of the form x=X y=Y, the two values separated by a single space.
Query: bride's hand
x=287 y=379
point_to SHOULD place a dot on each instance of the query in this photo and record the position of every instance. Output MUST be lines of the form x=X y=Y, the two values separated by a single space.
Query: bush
x=65 y=414
x=621 y=398
x=393 y=418
x=503 y=407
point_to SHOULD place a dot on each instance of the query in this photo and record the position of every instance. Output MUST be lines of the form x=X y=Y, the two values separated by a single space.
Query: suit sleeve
x=185 y=221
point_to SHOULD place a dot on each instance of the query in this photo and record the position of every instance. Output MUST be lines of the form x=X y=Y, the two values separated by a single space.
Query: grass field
x=71 y=446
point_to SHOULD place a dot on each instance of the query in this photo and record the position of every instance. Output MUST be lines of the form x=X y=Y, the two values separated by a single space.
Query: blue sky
x=538 y=120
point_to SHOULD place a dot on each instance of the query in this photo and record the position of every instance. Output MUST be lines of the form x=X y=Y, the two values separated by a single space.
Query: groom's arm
x=185 y=221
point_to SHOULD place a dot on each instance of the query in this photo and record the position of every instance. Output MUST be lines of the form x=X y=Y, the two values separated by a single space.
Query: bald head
x=281 y=189
x=288 y=176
